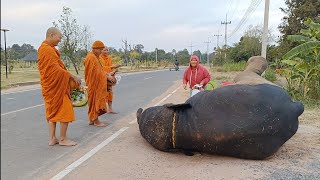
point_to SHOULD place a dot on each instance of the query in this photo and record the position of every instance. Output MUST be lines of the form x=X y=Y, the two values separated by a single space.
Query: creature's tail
x=139 y=112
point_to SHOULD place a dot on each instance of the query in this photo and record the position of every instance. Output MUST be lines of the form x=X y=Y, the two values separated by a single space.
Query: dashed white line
x=167 y=96
x=89 y=154
x=20 y=91
x=148 y=78
x=85 y=157
x=163 y=99
x=21 y=109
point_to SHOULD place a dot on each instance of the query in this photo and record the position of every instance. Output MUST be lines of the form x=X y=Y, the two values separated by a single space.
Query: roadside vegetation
x=293 y=57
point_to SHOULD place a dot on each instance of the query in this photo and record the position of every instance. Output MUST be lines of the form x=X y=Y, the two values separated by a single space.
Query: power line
x=225 y=33
x=252 y=7
x=230 y=6
x=234 y=9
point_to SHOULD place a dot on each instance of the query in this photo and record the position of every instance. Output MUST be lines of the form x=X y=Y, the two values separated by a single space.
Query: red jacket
x=196 y=75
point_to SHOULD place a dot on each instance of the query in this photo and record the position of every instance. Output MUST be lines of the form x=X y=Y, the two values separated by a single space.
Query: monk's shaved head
x=52 y=30
x=53 y=36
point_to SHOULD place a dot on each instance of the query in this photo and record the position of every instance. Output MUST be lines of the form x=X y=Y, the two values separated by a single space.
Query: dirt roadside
x=129 y=156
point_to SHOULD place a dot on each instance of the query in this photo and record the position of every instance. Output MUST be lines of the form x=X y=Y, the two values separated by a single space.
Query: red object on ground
x=226 y=83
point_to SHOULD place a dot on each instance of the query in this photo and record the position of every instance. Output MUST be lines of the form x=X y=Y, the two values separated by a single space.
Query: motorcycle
x=176 y=68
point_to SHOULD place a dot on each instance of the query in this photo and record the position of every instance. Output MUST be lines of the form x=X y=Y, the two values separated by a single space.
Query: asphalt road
x=24 y=131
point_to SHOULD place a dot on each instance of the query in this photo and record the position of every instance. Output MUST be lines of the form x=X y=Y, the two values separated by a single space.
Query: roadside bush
x=270 y=75
x=302 y=64
x=239 y=66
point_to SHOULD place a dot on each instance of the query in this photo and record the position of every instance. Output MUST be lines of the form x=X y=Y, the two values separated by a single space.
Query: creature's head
x=156 y=123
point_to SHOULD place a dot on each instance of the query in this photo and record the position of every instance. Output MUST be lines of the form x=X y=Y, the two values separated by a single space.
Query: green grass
x=17 y=77
x=240 y=66
x=222 y=78
x=311 y=103
x=31 y=74
x=20 y=75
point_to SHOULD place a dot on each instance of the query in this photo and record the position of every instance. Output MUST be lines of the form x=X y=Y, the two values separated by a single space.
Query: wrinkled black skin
x=243 y=121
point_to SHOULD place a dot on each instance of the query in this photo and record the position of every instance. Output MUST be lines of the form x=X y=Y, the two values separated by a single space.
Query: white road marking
x=148 y=78
x=163 y=99
x=89 y=154
x=121 y=74
x=167 y=96
x=21 y=109
x=20 y=91
x=85 y=157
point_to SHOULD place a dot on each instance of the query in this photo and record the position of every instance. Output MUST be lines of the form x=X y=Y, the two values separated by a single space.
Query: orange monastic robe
x=54 y=80
x=106 y=62
x=96 y=80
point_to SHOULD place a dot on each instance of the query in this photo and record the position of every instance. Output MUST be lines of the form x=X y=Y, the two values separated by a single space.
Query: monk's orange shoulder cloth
x=96 y=80
x=54 y=79
x=106 y=63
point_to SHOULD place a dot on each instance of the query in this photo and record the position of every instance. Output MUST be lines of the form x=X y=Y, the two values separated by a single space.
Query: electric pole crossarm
x=191 y=49
x=225 y=36
x=217 y=35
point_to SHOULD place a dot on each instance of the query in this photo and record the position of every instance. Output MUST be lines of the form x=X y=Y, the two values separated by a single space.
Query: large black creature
x=244 y=121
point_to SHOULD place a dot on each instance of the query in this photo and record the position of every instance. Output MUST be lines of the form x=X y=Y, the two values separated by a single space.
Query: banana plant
x=303 y=62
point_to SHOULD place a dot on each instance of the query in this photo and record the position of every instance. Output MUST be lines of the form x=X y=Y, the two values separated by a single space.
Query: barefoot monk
x=96 y=80
x=110 y=69
x=54 y=80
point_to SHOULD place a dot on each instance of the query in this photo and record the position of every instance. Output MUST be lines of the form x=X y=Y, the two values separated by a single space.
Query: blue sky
x=154 y=23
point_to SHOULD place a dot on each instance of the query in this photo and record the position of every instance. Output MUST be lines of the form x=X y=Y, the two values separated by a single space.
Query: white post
x=265 y=30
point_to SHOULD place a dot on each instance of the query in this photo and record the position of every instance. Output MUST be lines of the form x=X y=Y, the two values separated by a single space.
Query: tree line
x=296 y=13
x=77 y=39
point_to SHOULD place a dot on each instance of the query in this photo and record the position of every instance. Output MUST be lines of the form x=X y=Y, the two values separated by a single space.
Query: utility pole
x=265 y=29
x=125 y=49
x=5 y=50
x=225 y=36
x=218 y=35
x=208 y=51
x=156 y=55
x=191 y=49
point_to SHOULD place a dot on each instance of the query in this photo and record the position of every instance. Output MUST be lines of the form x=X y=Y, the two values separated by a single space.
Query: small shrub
x=240 y=66
x=219 y=69
x=270 y=75
x=221 y=78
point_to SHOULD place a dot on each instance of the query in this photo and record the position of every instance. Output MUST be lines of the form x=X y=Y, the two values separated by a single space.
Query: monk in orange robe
x=96 y=81
x=54 y=80
x=110 y=69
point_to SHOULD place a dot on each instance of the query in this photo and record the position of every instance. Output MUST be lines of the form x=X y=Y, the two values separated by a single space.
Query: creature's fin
x=178 y=106
x=139 y=112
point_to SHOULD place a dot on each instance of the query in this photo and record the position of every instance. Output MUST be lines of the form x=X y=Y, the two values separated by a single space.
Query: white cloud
x=159 y=23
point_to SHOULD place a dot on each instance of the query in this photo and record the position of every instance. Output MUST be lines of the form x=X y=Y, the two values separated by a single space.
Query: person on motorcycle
x=176 y=64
